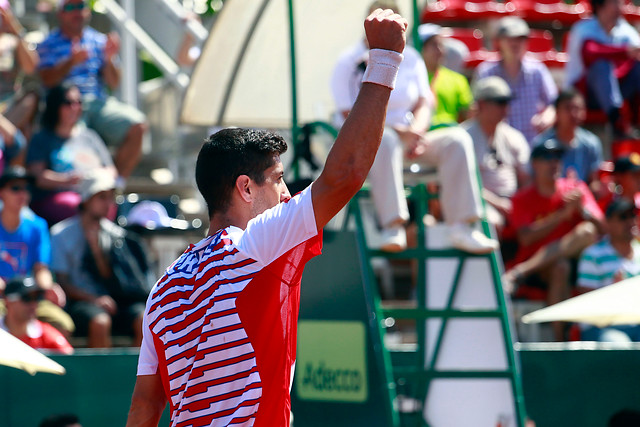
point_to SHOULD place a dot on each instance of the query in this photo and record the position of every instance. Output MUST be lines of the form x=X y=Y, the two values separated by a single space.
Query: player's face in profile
x=273 y=190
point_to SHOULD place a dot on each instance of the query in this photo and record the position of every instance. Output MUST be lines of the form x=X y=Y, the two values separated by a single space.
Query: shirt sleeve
x=35 y=149
x=148 y=359
x=589 y=275
x=279 y=229
x=45 y=51
x=549 y=91
x=343 y=82
x=44 y=244
x=59 y=261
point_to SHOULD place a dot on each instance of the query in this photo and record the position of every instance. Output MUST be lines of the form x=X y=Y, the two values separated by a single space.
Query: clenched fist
x=386 y=29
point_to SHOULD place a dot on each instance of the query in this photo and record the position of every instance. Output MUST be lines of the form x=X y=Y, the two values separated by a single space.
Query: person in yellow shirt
x=450 y=88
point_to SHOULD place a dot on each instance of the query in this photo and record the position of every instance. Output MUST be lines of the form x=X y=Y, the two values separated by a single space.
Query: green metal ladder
x=409 y=372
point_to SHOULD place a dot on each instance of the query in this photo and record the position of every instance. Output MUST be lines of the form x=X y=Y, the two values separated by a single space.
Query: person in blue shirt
x=25 y=247
x=582 y=149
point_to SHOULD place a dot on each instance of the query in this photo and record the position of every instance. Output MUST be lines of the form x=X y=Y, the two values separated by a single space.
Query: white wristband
x=382 y=68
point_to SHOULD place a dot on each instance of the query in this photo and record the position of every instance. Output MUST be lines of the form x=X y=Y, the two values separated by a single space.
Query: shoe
x=394 y=239
x=467 y=239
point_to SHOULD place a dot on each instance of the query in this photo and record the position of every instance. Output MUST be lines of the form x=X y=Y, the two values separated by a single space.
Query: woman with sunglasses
x=61 y=153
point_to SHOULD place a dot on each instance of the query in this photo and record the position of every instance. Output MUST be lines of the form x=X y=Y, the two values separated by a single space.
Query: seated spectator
x=451 y=89
x=61 y=153
x=626 y=181
x=502 y=151
x=25 y=248
x=21 y=298
x=18 y=61
x=102 y=269
x=614 y=258
x=78 y=54
x=407 y=121
x=603 y=62
x=555 y=218
x=582 y=149
x=531 y=110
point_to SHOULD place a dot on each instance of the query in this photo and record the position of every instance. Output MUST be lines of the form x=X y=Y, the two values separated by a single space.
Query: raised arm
x=355 y=148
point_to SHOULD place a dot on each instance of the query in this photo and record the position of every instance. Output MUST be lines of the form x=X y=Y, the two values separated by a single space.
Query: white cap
x=96 y=181
x=151 y=214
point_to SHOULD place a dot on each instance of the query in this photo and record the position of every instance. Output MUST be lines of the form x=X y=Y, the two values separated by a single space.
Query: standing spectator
x=87 y=260
x=603 y=61
x=80 y=55
x=18 y=61
x=25 y=248
x=61 y=153
x=451 y=89
x=501 y=150
x=407 y=122
x=531 y=110
x=582 y=149
x=22 y=296
x=614 y=258
x=555 y=218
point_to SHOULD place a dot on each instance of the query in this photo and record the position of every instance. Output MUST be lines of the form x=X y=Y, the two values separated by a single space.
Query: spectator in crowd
x=614 y=258
x=91 y=257
x=502 y=151
x=25 y=248
x=455 y=54
x=603 y=61
x=555 y=218
x=582 y=149
x=407 y=122
x=61 y=153
x=18 y=61
x=22 y=296
x=450 y=89
x=531 y=110
x=626 y=181
x=80 y=55
x=61 y=420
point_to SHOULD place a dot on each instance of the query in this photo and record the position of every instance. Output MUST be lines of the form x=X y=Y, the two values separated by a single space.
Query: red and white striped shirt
x=220 y=326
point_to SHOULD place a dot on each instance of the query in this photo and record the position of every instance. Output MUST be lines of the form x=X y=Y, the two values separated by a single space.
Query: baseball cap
x=620 y=206
x=512 y=26
x=95 y=182
x=630 y=163
x=21 y=286
x=152 y=215
x=15 y=172
x=492 y=88
x=549 y=149
x=426 y=31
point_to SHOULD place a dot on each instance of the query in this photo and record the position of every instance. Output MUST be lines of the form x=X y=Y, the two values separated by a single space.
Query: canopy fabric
x=17 y=354
x=243 y=76
x=617 y=304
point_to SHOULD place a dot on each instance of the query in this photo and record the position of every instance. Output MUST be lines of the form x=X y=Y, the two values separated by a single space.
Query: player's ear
x=244 y=188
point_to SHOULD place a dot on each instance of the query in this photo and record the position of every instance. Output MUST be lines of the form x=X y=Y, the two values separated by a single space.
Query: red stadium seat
x=461 y=10
x=550 y=10
x=542 y=47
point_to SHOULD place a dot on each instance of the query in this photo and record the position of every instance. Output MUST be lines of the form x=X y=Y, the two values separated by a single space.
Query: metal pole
x=129 y=59
x=294 y=92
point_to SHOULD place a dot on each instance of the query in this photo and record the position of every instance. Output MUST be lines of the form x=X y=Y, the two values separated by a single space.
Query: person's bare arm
x=27 y=58
x=352 y=154
x=148 y=402
x=110 y=71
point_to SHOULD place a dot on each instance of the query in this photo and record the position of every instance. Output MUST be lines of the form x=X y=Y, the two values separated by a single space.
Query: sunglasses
x=16 y=188
x=71 y=102
x=28 y=297
x=70 y=7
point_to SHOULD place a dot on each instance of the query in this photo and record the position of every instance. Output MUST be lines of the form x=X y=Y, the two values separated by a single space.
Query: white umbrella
x=617 y=304
x=17 y=354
